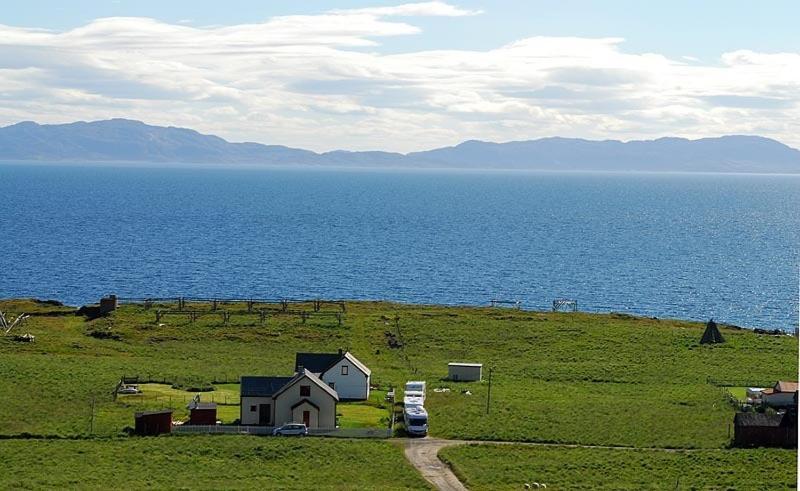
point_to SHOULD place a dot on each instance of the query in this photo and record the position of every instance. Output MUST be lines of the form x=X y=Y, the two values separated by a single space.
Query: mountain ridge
x=126 y=140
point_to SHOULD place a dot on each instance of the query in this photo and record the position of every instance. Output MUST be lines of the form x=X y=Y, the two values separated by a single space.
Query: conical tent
x=712 y=334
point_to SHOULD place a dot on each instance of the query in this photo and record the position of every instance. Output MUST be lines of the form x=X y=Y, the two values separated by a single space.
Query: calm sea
x=685 y=246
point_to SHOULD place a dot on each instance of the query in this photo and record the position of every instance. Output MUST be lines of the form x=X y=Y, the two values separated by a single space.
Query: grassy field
x=206 y=462
x=558 y=377
x=496 y=467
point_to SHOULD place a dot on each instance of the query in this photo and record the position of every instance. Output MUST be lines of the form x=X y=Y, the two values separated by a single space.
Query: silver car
x=298 y=429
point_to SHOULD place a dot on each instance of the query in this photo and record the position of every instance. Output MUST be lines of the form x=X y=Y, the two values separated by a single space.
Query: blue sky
x=381 y=74
x=703 y=29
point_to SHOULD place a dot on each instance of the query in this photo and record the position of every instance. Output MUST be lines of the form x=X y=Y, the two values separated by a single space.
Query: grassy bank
x=496 y=467
x=559 y=377
x=206 y=462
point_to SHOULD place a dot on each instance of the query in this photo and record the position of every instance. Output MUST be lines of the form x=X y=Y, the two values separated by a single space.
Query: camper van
x=413 y=401
x=416 y=420
x=415 y=388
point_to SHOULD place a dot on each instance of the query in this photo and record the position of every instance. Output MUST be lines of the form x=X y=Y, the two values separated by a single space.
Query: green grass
x=206 y=462
x=738 y=392
x=495 y=467
x=559 y=377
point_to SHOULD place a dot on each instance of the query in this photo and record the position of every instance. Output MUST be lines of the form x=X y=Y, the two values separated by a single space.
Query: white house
x=273 y=401
x=342 y=371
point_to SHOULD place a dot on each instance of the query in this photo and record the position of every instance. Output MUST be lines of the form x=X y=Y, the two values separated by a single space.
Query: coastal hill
x=562 y=378
x=122 y=140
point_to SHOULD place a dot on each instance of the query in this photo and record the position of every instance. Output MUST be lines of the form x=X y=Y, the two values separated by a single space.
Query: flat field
x=501 y=467
x=206 y=462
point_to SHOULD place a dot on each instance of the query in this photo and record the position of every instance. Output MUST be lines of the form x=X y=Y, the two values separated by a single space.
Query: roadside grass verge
x=501 y=467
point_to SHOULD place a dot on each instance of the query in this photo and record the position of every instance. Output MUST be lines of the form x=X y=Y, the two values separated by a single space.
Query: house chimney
x=340 y=351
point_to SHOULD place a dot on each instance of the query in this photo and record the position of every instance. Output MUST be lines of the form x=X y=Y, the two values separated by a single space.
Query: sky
x=365 y=75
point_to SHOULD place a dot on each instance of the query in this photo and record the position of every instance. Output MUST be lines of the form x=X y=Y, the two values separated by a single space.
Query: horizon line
x=552 y=137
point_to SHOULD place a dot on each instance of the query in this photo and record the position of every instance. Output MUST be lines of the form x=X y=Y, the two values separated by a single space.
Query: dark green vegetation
x=206 y=462
x=559 y=377
x=489 y=467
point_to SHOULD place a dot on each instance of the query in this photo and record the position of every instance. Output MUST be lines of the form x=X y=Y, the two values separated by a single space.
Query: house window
x=253 y=408
x=344 y=369
x=305 y=391
x=333 y=385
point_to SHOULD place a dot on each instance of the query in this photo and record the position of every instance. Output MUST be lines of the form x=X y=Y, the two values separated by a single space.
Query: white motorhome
x=416 y=420
x=413 y=401
x=415 y=388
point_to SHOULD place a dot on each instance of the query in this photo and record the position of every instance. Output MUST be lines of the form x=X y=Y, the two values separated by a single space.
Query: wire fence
x=739 y=382
x=267 y=430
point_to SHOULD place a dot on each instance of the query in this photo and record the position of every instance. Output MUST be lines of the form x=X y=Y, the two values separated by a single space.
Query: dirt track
x=423 y=454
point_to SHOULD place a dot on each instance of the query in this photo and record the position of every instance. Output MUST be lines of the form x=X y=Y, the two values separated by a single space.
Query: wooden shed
x=203 y=413
x=151 y=423
x=465 y=372
x=765 y=430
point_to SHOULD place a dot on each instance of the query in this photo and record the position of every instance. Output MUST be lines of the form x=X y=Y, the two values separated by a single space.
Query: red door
x=307 y=418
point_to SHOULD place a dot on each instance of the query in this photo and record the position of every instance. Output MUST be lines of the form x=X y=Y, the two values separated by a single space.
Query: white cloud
x=321 y=82
x=440 y=9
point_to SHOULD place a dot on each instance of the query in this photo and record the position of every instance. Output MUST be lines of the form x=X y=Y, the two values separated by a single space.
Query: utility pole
x=489 y=392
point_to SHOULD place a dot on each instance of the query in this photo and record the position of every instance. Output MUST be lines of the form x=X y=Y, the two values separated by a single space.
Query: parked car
x=298 y=429
x=128 y=389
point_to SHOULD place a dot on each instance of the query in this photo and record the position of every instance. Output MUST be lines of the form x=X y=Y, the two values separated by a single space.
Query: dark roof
x=204 y=405
x=262 y=386
x=757 y=419
x=316 y=362
x=152 y=413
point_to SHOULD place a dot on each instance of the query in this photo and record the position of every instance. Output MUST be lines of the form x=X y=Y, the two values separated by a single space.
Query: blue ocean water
x=666 y=245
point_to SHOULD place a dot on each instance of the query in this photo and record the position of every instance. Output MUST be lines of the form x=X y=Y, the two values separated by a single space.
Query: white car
x=298 y=429
x=128 y=389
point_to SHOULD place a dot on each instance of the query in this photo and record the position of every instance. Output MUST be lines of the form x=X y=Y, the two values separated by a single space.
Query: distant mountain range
x=122 y=140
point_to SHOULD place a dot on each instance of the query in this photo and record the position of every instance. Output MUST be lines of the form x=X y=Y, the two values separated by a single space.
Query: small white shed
x=465 y=372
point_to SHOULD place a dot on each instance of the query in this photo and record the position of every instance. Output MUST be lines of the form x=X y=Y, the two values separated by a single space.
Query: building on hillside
x=765 y=430
x=465 y=372
x=151 y=423
x=202 y=413
x=342 y=371
x=273 y=401
x=782 y=395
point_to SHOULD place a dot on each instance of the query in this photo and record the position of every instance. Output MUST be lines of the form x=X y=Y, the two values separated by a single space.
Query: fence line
x=267 y=430
x=738 y=383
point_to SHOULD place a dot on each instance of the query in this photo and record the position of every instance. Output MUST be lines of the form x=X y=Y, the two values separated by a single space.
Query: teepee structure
x=712 y=334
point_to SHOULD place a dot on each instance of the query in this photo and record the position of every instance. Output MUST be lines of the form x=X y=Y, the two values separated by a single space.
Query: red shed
x=150 y=423
x=202 y=413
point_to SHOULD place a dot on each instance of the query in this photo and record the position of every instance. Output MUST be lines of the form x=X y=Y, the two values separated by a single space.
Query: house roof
x=203 y=405
x=455 y=364
x=313 y=378
x=152 y=413
x=316 y=362
x=784 y=386
x=355 y=361
x=321 y=362
x=262 y=386
x=757 y=419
